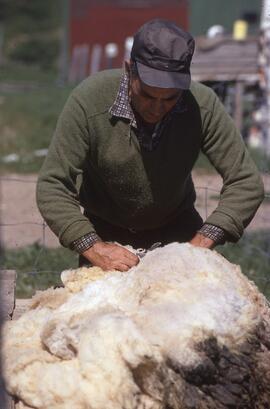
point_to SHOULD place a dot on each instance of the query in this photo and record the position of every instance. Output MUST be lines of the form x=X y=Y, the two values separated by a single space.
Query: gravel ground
x=23 y=225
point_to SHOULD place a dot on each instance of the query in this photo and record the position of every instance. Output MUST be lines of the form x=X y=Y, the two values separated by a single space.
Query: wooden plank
x=238 y=112
x=7 y=305
x=22 y=305
x=7 y=293
x=7 y=401
x=249 y=79
x=226 y=60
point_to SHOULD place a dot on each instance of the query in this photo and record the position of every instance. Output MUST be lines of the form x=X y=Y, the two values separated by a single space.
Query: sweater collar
x=121 y=107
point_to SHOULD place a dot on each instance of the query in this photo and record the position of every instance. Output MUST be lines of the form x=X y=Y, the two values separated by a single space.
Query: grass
x=252 y=253
x=27 y=123
x=22 y=73
x=39 y=268
x=261 y=159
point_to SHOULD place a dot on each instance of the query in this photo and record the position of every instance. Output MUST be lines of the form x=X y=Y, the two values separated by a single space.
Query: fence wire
x=205 y=204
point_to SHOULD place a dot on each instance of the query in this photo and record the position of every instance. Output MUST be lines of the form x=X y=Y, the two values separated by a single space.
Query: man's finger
x=131 y=262
x=121 y=267
x=131 y=256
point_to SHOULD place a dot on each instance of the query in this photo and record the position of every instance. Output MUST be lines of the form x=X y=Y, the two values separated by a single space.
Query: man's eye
x=172 y=98
x=148 y=96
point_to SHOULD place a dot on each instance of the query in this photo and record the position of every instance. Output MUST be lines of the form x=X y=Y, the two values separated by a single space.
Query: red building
x=96 y=23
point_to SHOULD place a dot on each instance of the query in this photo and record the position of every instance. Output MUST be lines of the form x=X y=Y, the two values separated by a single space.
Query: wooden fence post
x=7 y=305
x=238 y=111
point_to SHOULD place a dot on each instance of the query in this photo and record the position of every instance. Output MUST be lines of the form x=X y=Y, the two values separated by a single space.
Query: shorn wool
x=183 y=329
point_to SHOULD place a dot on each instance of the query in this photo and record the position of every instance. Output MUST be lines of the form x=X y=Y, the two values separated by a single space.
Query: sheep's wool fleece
x=112 y=340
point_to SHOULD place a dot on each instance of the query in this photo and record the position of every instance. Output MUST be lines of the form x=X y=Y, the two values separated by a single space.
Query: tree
x=31 y=30
x=4 y=13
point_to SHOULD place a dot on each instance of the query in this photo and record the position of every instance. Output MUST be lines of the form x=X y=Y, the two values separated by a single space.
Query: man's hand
x=201 y=241
x=109 y=256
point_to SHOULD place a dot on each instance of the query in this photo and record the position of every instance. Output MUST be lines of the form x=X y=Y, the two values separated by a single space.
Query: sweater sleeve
x=242 y=190
x=57 y=194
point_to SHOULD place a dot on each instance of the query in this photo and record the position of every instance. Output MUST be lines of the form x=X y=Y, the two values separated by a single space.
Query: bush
x=36 y=51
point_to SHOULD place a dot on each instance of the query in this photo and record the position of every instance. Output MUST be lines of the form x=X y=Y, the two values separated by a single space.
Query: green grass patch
x=261 y=159
x=27 y=124
x=37 y=267
x=26 y=73
x=252 y=253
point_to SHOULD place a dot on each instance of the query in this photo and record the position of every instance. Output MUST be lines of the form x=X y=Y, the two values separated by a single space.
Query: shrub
x=36 y=51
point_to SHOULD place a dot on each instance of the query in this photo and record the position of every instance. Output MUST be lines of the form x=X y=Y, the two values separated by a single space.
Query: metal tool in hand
x=142 y=252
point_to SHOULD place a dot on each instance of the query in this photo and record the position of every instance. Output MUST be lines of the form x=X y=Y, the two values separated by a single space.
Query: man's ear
x=127 y=66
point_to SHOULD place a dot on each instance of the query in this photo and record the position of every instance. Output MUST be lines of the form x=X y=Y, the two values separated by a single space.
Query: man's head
x=159 y=70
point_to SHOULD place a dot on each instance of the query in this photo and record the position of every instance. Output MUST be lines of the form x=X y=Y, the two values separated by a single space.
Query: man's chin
x=149 y=119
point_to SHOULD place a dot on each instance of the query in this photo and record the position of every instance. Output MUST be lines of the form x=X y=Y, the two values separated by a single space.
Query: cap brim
x=163 y=79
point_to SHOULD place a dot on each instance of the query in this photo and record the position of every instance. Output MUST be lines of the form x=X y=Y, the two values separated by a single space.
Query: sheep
x=183 y=329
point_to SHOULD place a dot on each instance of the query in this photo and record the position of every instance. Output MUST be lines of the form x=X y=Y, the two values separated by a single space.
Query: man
x=132 y=139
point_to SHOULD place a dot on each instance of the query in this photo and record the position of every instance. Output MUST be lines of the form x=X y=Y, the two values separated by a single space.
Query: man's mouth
x=151 y=117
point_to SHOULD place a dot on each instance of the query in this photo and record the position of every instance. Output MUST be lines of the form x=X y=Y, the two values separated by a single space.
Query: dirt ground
x=21 y=223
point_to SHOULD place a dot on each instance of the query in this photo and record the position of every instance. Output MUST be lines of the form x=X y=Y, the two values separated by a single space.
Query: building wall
x=98 y=23
x=113 y=24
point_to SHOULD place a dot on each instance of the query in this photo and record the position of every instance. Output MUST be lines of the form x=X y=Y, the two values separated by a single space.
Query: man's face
x=151 y=103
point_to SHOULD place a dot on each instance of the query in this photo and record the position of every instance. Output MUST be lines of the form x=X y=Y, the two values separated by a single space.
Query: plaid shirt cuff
x=214 y=233
x=85 y=242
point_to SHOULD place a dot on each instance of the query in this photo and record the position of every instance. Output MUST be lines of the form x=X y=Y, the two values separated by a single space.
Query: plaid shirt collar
x=121 y=107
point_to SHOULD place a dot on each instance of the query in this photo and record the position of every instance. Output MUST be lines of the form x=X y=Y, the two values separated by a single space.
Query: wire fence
x=22 y=226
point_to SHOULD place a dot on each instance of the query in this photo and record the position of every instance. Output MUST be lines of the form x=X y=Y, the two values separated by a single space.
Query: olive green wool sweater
x=130 y=187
